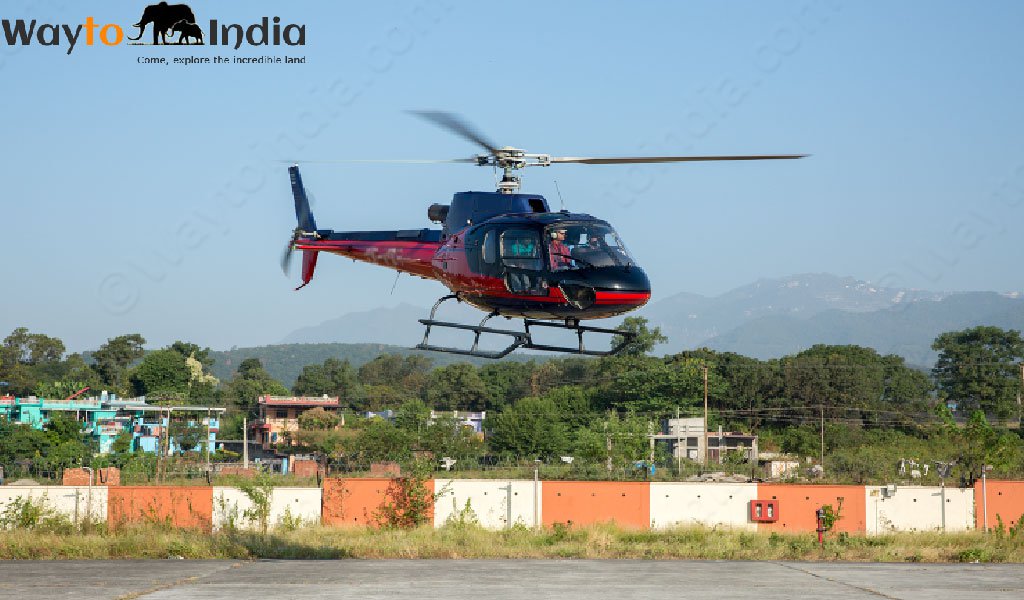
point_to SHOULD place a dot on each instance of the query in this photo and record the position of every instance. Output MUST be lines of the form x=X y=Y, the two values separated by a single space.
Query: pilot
x=558 y=251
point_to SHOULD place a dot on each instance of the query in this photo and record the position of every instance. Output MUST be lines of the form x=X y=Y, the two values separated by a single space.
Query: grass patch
x=467 y=540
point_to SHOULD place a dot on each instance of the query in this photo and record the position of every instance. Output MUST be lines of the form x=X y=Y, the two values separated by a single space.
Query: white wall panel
x=76 y=502
x=489 y=500
x=918 y=508
x=709 y=504
x=302 y=503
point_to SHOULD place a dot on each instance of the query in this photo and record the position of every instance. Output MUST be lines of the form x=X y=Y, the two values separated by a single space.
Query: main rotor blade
x=613 y=160
x=456 y=125
x=414 y=161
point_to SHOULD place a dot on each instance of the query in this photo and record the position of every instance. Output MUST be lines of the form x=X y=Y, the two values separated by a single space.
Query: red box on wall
x=764 y=511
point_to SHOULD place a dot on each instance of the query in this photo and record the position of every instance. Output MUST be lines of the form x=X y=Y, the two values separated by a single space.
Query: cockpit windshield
x=583 y=245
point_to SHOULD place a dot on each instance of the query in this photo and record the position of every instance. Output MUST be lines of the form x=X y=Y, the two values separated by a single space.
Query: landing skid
x=520 y=339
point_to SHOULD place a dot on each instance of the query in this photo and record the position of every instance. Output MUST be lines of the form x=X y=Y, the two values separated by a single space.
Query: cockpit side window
x=520 y=249
x=584 y=245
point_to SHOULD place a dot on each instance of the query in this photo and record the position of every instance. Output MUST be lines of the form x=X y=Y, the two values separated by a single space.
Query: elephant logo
x=188 y=31
x=169 y=19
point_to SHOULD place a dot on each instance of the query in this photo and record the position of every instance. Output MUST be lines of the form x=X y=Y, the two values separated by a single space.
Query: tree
x=413 y=416
x=252 y=381
x=978 y=367
x=446 y=436
x=648 y=385
x=408 y=372
x=31 y=348
x=624 y=440
x=202 y=387
x=186 y=434
x=69 y=445
x=114 y=357
x=839 y=378
x=379 y=441
x=122 y=444
x=506 y=382
x=29 y=359
x=646 y=339
x=58 y=389
x=318 y=419
x=456 y=387
x=530 y=428
x=20 y=442
x=318 y=433
x=188 y=349
x=162 y=373
x=333 y=378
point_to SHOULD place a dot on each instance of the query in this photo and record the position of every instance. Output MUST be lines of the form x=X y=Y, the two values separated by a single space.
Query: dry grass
x=468 y=541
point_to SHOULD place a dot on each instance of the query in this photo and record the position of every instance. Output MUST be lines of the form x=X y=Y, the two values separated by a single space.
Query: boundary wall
x=355 y=502
x=183 y=507
x=75 y=502
x=625 y=503
x=918 y=508
x=300 y=506
x=711 y=505
x=496 y=504
x=1004 y=499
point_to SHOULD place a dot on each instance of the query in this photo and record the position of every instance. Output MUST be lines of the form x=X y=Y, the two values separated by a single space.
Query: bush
x=33 y=515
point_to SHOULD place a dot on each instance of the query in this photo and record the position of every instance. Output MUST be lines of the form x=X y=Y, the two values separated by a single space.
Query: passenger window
x=520 y=249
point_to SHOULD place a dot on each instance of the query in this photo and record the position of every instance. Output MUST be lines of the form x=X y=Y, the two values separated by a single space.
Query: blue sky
x=148 y=198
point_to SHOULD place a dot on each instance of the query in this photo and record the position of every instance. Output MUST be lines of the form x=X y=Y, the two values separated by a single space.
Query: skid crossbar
x=521 y=339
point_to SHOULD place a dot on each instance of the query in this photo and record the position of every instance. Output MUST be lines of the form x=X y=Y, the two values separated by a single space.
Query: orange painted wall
x=627 y=503
x=798 y=503
x=190 y=507
x=353 y=502
x=1005 y=498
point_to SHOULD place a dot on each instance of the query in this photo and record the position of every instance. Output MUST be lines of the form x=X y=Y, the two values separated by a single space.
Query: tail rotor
x=306 y=229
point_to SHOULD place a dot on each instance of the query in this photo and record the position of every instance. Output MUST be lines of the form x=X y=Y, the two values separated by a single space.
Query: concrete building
x=105 y=417
x=466 y=418
x=685 y=438
x=279 y=415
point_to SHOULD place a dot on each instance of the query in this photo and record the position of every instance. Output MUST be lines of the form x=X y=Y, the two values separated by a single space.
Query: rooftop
x=299 y=401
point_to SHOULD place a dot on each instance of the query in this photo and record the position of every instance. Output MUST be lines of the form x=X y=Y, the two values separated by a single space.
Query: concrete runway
x=518 y=579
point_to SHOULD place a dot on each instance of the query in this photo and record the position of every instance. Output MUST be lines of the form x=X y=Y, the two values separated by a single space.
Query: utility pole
x=162 y=443
x=679 y=458
x=705 y=416
x=1019 y=393
x=208 y=417
x=984 y=498
x=822 y=458
x=245 y=442
x=608 y=445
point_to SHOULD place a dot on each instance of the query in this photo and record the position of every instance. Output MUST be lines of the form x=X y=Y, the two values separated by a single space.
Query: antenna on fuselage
x=560 y=199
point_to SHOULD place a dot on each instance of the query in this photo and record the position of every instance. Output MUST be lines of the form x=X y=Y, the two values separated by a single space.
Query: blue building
x=106 y=417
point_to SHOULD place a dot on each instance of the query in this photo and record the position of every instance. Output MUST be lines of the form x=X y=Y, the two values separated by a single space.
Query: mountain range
x=768 y=318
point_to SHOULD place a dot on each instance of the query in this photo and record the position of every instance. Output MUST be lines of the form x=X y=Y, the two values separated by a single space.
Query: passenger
x=523 y=247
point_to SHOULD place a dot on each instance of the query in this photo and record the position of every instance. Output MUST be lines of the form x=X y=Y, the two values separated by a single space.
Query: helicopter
x=503 y=252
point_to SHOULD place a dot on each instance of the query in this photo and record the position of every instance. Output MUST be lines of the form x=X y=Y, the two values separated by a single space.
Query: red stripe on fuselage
x=632 y=298
x=407 y=256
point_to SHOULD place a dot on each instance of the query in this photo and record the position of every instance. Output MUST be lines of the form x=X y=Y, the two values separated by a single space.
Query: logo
x=167 y=19
x=167 y=24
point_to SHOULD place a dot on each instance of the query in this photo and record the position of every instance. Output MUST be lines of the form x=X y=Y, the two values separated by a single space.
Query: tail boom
x=382 y=248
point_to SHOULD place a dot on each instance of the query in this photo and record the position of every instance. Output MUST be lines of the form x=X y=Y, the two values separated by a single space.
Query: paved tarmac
x=518 y=579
